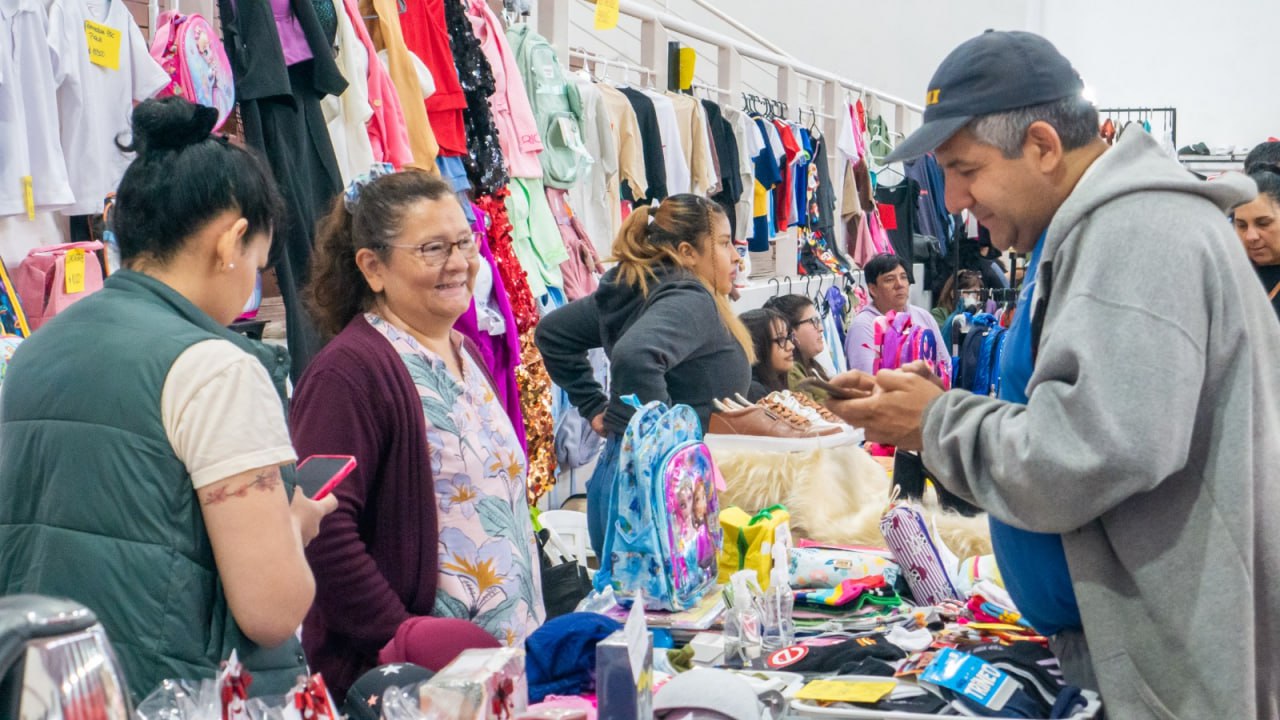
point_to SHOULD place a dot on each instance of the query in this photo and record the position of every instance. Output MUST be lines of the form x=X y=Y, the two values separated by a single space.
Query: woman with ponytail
x=431 y=549
x=662 y=317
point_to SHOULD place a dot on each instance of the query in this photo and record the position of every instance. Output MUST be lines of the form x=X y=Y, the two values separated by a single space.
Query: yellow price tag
x=29 y=197
x=606 y=14
x=104 y=45
x=850 y=691
x=997 y=627
x=688 y=59
x=75 y=271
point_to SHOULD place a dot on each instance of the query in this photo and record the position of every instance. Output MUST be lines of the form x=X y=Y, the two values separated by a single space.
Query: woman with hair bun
x=663 y=318
x=146 y=469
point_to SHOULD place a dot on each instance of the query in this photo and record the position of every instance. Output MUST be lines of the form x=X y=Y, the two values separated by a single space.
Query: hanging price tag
x=29 y=197
x=104 y=45
x=688 y=58
x=606 y=14
x=75 y=271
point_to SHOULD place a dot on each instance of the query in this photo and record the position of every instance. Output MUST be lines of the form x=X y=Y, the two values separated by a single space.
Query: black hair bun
x=171 y=124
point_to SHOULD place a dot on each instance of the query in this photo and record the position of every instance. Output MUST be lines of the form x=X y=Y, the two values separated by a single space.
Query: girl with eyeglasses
x=775 y=347
x=432 y=536
x=806 y=325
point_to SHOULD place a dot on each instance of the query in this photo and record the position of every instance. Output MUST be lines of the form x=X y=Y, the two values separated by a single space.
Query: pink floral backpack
x=189 y=50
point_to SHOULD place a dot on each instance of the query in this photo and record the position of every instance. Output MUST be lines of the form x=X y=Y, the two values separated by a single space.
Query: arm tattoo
x=265 y=481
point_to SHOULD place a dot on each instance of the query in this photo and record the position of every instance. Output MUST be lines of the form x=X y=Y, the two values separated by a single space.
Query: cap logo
x=931 y=98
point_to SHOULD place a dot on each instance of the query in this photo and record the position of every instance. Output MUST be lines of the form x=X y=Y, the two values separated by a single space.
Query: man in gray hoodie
x=1133 y=457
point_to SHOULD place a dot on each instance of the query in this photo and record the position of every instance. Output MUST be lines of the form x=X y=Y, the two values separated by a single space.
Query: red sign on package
x=787 y=656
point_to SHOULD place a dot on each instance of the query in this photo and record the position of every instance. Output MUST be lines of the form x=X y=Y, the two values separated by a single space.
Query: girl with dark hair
x=775 y=346
x=432 y=538
x=811 y=342
x=663 y=318
x=1258 y=225
x=147 y=470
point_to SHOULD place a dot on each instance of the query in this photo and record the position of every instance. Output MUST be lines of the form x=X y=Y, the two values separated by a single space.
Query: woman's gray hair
x=1074 y=118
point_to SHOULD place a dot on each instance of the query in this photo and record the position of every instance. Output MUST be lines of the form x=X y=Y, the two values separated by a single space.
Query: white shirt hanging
x=29 y=143
x=679 y=179
x=347 y=117
x=95 y=102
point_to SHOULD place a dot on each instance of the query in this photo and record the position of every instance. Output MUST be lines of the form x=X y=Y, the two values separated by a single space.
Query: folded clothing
x=560 y=656
x=811 y=659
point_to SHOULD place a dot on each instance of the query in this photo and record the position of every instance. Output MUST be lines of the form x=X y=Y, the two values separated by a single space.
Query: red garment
x=783 y=193
x=512 y=274
x=427 y=36
x=388 y=133
x=433 y=642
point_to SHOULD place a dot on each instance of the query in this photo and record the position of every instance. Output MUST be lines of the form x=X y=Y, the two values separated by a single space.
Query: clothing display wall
x=547 y=162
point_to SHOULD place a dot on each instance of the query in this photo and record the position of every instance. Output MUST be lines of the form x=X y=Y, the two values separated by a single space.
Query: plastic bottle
x=779 y=629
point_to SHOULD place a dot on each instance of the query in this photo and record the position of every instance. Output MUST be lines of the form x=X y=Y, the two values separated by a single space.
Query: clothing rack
x=586 y=56
x=1124 y=115
x=772 y=108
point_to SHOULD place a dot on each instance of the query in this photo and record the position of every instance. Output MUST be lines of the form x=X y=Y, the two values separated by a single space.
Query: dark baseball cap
x=993 y=72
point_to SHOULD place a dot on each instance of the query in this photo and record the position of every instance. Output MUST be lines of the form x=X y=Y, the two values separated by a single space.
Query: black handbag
x=563 y=585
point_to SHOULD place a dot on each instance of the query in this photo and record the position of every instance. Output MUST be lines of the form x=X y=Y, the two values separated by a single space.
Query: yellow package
x=749 y=540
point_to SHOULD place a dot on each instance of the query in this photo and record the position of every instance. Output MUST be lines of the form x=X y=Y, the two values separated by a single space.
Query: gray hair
x=1074 y=118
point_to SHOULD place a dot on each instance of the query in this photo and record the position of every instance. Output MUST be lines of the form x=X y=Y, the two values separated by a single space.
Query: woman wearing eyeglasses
x=806 y=325
x=431 y=549
x=775 y=347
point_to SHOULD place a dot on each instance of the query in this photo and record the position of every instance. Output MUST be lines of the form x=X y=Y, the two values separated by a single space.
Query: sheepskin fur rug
x=834 y=495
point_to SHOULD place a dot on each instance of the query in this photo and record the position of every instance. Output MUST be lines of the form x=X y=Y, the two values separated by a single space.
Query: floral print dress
x=488 y=554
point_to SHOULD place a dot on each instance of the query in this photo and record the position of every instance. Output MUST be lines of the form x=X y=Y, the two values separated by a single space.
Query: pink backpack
x=901 y=341
x=190 y=51
x=41 y=280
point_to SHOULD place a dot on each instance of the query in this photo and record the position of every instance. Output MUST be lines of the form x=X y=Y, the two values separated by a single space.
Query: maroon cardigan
x=376 y=559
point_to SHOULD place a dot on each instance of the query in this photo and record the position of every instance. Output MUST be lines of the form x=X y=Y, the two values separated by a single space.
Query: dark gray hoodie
x=1151 y=440
x=670 y=345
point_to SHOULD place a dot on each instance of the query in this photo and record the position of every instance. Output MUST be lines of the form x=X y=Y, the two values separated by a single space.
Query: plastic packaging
x=742 y=623
x=779 y=629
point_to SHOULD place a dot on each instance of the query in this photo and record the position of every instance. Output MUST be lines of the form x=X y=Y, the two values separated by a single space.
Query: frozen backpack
x=557 y=108
x=662 y=538
x=190 y=51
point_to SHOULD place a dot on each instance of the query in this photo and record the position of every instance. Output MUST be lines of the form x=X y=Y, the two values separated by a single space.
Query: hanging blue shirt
x=1033 y=565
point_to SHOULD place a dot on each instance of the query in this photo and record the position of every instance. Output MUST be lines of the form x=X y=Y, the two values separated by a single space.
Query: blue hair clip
x=352 y=193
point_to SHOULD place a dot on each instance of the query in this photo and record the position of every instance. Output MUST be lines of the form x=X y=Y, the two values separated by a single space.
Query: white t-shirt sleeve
x=148 y=77
x=221 y=413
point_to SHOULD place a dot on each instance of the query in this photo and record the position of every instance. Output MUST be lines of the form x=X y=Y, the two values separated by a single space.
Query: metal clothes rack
x=1124 y=115
x=646 y=74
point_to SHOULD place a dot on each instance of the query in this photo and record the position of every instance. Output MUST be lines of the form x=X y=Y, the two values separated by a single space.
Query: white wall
x=1212 y=61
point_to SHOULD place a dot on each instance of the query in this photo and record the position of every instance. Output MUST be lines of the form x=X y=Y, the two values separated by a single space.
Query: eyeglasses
x=436 y=252
x=783 y=342
x=815 y=321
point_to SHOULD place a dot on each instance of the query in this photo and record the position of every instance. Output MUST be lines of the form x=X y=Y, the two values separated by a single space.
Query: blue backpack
x=663 y=535
x=978 y=367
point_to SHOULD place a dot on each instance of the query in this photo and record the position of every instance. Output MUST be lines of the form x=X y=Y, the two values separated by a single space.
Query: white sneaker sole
x=715 y=441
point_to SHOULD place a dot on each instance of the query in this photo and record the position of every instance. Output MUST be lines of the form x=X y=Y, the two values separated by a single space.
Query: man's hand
x=597 y=424
x=892 y=412
x=924 y=370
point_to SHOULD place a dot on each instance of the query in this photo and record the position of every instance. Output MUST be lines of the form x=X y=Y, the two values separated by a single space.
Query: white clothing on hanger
x=29 y=141
x=679 y=179
x=95 y=104
x=347 y=116
x=589 y=198
x=427 y=82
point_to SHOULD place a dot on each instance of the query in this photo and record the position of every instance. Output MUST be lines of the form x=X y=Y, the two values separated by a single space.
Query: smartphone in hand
x=318 y=475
